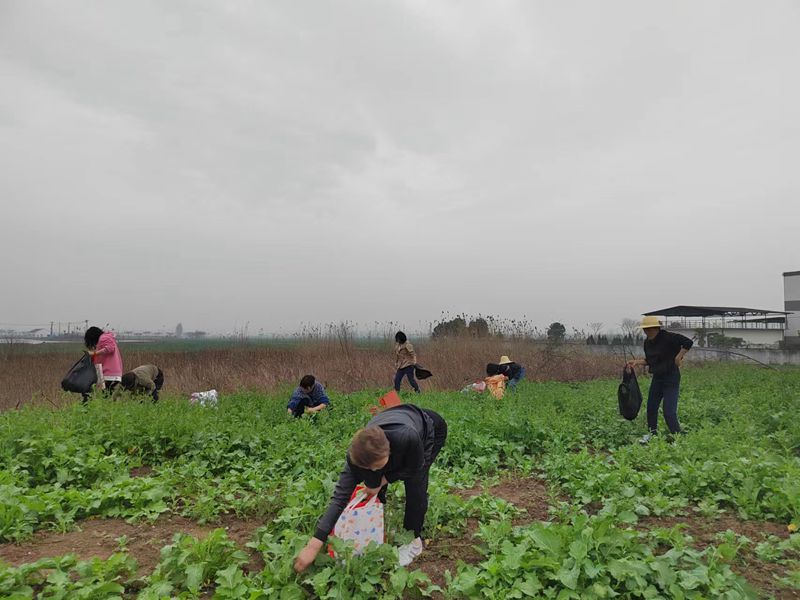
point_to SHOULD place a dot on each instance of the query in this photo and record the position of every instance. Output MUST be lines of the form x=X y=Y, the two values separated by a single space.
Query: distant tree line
x=459 y=327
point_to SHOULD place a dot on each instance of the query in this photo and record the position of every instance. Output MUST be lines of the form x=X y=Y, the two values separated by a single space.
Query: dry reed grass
x=341 y=364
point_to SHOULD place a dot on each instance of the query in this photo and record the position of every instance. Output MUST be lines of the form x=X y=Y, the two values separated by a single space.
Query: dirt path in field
x=98 y=538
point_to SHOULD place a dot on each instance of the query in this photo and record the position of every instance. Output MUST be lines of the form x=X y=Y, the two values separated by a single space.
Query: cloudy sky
x=272 y=163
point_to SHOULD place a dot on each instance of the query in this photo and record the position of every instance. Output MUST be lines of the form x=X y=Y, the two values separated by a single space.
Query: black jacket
x=660 y=352
x=410 y=433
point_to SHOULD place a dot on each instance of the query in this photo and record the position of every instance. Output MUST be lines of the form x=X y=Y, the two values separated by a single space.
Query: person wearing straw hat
x=512 y=370
x=663 y=355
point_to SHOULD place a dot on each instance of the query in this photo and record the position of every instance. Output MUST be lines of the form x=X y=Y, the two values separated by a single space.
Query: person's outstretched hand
x=307 y=555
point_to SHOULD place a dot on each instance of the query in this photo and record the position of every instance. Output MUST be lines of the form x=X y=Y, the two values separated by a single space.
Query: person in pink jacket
x=102 y=346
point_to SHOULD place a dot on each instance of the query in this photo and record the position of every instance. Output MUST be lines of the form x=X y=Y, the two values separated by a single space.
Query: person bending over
x=145 y=379
x=398 y=444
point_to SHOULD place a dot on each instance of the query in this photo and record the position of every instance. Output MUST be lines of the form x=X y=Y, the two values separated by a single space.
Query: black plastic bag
x=81 y=377
x=629 y=395
x=421 y=373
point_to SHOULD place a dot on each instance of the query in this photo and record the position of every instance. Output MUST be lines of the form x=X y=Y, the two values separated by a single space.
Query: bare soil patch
x=526 y=493
x=143 y=471
x=443 y=555
x=98 y=538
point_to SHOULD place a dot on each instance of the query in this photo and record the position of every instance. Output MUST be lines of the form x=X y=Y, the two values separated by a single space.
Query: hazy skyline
x=218 y=163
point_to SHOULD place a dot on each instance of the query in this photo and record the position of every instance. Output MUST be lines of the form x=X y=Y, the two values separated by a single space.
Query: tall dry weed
x=339 y=361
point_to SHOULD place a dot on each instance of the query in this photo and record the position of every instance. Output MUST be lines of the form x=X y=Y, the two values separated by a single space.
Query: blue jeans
x=512 y=383
x=666 y=387
x=406 y=372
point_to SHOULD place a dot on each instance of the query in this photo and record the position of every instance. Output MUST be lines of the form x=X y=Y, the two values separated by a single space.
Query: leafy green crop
x=741 y=457
x=67 y=577
x=590 y=557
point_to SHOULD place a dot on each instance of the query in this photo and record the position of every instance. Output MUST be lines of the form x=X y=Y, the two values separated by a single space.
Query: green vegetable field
x=545 y=494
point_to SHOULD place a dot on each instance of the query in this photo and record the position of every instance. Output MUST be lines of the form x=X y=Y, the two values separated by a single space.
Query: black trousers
x=417 y=486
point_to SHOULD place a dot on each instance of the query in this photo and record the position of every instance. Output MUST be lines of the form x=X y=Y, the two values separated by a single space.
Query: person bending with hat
x=512 y=370
x=663 y=355
x=398 y=444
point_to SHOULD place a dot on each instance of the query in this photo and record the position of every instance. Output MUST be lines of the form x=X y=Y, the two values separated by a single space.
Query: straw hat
x=504 y=360
x=650 y=322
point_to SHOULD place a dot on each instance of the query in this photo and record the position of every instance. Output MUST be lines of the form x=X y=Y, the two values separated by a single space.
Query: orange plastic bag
x=386 y=401
x=391 y=399
x=496 y=385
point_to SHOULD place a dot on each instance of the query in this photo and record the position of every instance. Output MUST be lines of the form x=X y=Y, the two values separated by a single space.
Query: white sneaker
x=408 y=552
x=646 y=438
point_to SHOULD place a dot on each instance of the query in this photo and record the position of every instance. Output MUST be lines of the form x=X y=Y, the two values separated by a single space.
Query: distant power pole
x=51 y=329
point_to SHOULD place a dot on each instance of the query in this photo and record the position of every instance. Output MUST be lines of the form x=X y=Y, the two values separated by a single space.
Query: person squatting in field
x=399 y=444
x=144 y=379
x=309 y=397
x=512 y=370
x=102 y=346
x=663 y=354
x=405 y=361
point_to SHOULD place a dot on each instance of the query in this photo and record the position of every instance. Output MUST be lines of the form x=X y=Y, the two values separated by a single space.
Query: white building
x=791 y=304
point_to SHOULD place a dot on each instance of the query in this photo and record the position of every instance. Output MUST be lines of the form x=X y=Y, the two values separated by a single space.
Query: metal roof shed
x=757 y=326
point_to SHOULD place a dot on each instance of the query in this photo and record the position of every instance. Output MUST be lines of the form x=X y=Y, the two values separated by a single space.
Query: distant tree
x=452 y=328
x=701 y=335
x=179 y=330
x=478 y=328
x=631 y=328
x=556 y=333
x=590 y=340
x=720 y=340
x=596 y=328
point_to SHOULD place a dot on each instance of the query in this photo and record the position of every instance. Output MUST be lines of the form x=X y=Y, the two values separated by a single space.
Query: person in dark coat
x=663 y=355
x=398 y=444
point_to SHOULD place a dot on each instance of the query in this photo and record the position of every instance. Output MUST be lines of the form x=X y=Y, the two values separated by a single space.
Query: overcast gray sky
x=218 y=163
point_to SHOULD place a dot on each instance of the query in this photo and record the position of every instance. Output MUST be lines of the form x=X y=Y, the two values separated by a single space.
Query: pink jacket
x=110 y=357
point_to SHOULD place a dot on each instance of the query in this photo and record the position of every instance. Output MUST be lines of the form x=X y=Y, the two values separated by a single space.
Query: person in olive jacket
x=663 y=355
x=398 y=444
x=144 y=379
